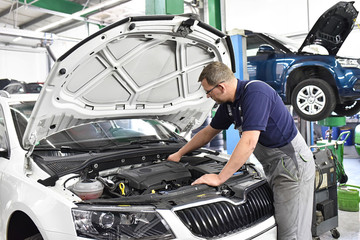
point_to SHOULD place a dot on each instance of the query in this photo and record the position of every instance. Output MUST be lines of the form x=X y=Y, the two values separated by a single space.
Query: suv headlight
x=349 y=62
x=120 y=223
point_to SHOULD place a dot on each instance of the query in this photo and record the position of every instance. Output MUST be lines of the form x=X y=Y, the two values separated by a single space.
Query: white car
x=86 y=158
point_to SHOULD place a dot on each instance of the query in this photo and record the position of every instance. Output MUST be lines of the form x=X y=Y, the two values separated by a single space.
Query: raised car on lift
x=311 y=77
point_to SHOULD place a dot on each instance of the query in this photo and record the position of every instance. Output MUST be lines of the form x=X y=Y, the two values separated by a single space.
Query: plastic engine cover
x=144 y=177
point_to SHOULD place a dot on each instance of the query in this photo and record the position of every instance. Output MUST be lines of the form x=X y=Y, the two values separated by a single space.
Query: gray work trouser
x=291 y=172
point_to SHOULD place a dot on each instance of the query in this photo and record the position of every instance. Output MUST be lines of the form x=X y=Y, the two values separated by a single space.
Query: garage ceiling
x=25 y=22
x=31 y=19
x=55 y=16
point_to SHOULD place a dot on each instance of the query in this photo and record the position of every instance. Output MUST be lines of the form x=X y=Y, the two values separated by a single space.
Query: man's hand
x=209 y=179
x=175 y=157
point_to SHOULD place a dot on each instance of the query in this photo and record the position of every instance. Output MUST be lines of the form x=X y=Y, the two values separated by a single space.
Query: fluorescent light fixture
x=78 y=14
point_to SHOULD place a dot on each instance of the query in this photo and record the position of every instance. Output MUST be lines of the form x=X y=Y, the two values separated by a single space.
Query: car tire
x=35 y=237
x=348 y=108
x=313 y=99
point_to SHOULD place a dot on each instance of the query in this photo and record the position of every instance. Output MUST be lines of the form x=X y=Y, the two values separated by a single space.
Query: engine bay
x=150 y=178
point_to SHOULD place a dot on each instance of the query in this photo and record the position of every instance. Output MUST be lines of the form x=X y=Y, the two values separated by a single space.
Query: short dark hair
x=216 y=72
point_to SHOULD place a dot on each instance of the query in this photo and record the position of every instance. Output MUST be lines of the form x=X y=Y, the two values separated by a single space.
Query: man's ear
x=222 y=87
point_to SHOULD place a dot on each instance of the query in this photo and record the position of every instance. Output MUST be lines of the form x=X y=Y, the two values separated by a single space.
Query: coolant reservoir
x=88 y=189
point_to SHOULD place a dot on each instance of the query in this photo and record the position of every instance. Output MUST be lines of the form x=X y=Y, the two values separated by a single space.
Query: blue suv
x=315 y=84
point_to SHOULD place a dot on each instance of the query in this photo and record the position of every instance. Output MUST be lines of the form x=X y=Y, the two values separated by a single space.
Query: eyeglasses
x=207 y=92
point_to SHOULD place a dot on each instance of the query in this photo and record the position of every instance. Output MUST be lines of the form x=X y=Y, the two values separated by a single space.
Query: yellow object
x=153 y=191
x=122 y=188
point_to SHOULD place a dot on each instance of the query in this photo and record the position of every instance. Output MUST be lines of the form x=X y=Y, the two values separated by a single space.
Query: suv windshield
x=287 y=42
x=97 y=135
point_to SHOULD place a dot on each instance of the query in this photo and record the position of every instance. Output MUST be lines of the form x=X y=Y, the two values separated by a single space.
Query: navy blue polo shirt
x=257 y=107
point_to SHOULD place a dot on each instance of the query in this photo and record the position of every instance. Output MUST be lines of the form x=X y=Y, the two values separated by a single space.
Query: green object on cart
x=336 y=146
x=333 y=121
x=357 y=139
x=348 y=198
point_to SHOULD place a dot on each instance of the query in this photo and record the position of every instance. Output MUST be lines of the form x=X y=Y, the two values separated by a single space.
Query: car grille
x=215 y=220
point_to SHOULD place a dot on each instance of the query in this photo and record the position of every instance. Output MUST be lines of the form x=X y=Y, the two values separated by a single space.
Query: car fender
x=328 y=68
x=41 y=204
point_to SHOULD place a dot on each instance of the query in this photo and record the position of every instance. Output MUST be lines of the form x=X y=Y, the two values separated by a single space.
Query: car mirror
x=265 y=49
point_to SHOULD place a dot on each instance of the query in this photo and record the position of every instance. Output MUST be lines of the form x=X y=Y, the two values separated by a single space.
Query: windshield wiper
x=145 y=141
x=129 y=145
x=67 y=149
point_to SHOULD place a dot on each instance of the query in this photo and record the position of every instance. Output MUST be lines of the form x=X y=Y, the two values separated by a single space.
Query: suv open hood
x=138 y=67
x=333 y=27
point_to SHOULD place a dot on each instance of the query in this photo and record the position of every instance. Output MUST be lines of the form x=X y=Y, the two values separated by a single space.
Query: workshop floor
x=349 y=222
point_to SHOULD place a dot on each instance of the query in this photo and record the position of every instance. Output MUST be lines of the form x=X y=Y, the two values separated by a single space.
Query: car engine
x=149 y=178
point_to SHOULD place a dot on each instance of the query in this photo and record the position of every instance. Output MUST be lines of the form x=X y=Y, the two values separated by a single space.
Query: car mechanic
x=268 y=130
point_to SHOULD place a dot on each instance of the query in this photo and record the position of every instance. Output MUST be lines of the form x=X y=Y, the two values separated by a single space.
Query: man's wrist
x=222 y=178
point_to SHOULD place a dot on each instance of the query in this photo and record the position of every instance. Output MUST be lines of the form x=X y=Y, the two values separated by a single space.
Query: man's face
x=214 y=92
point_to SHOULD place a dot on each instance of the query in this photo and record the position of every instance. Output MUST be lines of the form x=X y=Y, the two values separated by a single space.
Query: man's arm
x=200 y=139
x=241 y=153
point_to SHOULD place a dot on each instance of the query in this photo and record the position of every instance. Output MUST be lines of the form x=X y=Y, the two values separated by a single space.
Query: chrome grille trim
x=217 y=219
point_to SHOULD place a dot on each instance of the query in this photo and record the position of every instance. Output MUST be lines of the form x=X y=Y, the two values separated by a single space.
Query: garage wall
x=23 y=64
x=284 y=17
x=33 y=64
x=70 y=38
x=351 y=47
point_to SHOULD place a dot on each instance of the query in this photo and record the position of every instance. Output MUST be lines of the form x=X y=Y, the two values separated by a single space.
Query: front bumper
x=350 y=85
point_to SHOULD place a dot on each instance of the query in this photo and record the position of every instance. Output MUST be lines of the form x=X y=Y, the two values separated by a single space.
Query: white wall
x=33 y=64
x=70 y=38
x=23 y=64
x=284 y=17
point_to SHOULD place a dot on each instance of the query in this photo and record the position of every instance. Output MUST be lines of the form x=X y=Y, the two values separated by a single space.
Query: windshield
x=109 y=134
x=287 y=42
x=99 y=134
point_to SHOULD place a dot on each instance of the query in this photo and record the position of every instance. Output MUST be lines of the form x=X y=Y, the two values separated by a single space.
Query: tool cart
x=325 y=217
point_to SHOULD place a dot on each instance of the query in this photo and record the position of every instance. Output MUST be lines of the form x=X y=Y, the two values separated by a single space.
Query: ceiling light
x=78 y=14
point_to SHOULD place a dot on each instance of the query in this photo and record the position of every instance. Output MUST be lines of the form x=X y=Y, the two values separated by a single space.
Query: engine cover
x=145 y=177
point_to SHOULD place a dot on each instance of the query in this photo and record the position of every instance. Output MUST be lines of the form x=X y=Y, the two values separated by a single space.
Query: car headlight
x=349 y=62
x=120 y=223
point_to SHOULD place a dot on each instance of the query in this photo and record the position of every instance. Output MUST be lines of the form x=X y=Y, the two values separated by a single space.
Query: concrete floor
x=349 y=222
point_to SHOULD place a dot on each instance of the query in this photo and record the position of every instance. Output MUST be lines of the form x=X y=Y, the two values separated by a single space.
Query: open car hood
x=333 y=27
x=138 y=67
